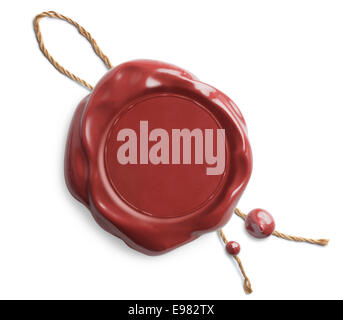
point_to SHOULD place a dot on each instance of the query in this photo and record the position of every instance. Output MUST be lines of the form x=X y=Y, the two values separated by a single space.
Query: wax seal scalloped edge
x=86 y=177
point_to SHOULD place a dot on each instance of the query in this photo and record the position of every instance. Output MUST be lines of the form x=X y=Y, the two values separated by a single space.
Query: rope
x=82 y=31
x=320 y=242
x=222 y=235
x=246 y=284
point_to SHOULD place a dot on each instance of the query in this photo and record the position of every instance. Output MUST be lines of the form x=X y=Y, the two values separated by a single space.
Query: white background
x=280 y=61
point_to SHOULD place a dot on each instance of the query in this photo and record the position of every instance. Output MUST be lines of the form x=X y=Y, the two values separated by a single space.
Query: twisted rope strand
x=82 y=31
x=222 y=235
x=320 y=242
x=240 y=214
x=246 y=284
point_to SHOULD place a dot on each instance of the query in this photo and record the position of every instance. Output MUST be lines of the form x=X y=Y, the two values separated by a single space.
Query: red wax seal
x=157 y=156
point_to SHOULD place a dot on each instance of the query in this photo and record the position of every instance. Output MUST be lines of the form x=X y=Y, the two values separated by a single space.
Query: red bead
x=233 y=248
x=260 y=223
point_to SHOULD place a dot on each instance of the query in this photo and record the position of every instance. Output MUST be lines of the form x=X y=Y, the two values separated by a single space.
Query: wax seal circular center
x=166 y=156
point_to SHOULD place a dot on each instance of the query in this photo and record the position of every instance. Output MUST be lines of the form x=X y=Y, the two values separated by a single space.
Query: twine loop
x=82 y=31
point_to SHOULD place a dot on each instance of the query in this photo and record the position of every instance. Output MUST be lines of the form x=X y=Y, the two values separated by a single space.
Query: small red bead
x=233 y=248
x=259 y=223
